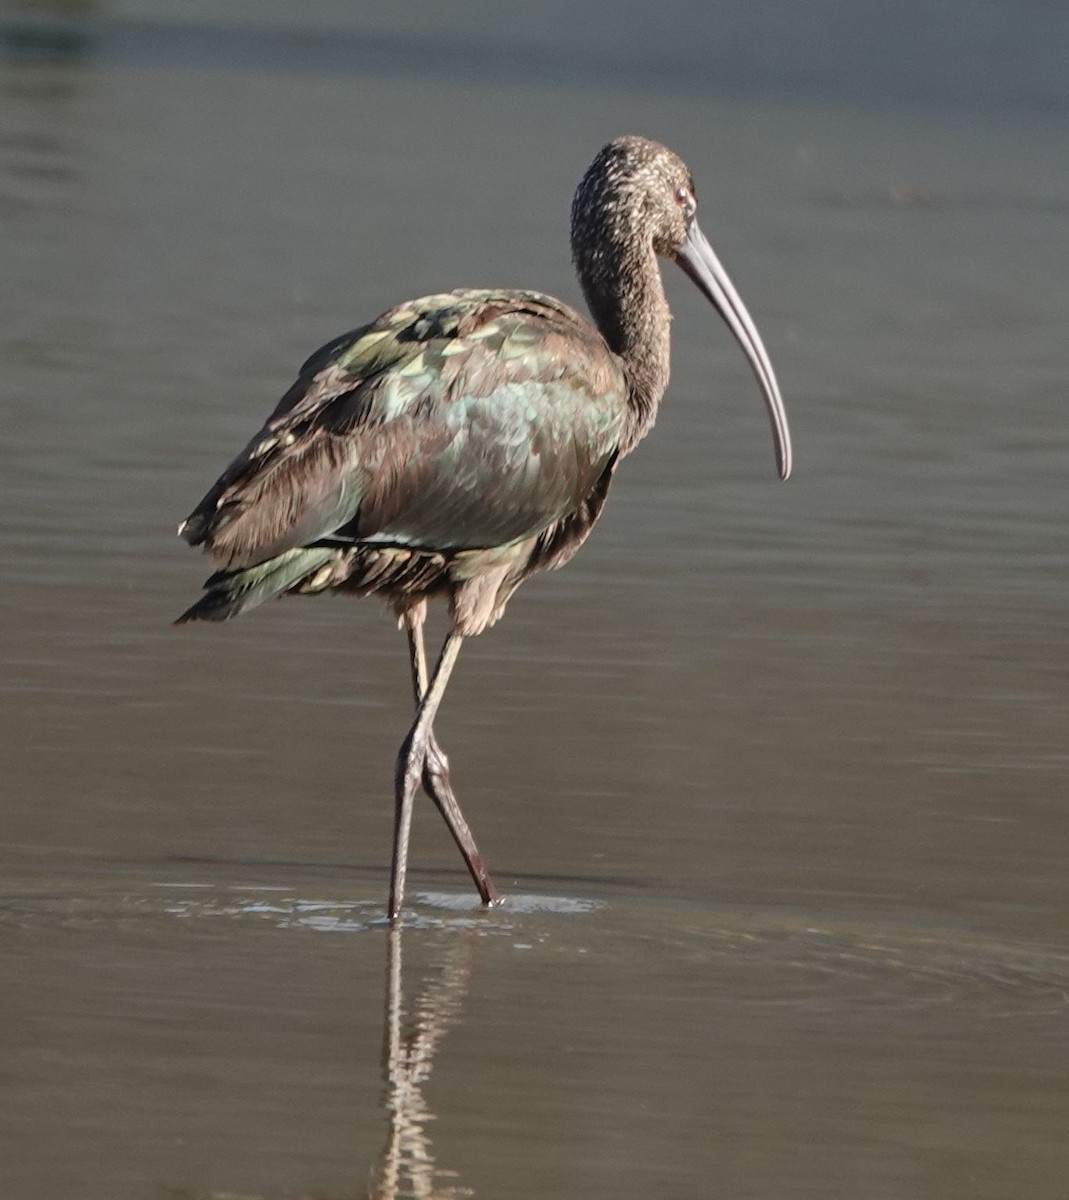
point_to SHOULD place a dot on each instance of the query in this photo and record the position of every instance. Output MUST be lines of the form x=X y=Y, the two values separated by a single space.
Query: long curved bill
x=696 y=257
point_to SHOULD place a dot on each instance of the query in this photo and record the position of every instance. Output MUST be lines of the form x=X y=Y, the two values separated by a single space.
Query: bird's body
x=460 y=442
x=450 y=447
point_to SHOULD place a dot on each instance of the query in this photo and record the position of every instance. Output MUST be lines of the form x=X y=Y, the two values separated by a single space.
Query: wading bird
x=461 y=442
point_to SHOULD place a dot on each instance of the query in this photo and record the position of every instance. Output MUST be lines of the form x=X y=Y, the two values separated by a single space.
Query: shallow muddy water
x=775 y=777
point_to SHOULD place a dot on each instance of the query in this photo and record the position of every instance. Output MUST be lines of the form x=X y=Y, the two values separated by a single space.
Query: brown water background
x=776 y=776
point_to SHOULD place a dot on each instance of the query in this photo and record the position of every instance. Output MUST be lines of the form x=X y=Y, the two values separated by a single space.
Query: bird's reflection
x=406 y=1167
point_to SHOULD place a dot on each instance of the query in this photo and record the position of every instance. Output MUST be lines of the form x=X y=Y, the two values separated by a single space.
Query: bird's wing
x=454 y=422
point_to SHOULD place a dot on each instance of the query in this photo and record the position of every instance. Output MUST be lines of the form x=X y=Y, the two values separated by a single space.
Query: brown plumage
x=463 y=441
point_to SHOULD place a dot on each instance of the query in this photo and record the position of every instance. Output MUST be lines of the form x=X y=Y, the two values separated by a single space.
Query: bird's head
x=638 y=196
x=636 y=190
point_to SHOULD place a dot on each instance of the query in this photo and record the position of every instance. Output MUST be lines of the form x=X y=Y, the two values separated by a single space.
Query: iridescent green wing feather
x=458 y=421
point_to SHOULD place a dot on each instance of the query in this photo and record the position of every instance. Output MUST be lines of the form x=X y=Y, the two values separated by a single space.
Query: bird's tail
x=227 y=593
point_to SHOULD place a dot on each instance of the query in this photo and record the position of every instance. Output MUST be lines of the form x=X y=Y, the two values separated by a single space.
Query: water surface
x=775 y=776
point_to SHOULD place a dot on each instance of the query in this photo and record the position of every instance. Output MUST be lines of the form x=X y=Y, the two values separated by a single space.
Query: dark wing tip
x=217 y=604
x=193 y=528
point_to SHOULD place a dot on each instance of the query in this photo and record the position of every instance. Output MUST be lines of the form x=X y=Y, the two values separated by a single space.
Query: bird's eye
x=685 y=200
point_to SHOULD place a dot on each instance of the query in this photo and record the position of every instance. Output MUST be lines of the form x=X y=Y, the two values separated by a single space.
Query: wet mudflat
x=775 y=776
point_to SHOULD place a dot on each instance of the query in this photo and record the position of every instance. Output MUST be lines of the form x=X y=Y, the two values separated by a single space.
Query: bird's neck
x=622 y=284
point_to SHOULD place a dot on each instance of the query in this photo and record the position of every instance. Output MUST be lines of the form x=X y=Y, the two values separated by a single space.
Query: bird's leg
x=413 y=622
x=411 y=760
x=436 y=781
